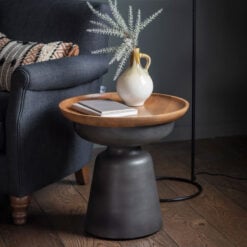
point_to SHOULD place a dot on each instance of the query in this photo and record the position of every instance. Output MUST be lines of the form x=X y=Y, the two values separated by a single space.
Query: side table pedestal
x=124 y=202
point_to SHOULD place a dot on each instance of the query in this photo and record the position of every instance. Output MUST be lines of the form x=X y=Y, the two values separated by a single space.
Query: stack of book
x=104 y=108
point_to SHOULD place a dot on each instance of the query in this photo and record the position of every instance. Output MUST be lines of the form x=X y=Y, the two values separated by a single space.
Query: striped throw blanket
x=17 y=53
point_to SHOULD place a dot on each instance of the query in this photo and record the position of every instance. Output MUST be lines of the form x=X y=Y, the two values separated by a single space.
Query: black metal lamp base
x=183 y=180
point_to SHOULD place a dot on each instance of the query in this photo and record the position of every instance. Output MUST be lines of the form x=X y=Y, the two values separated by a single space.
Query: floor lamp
x=192 y=179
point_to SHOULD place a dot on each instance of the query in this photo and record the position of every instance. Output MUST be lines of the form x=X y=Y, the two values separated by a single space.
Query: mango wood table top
x=158 y=109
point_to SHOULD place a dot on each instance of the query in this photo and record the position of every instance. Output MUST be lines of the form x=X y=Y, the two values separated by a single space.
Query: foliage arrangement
x=115 y=25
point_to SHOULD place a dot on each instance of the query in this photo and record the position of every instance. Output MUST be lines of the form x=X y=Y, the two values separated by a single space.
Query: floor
x=218 y=217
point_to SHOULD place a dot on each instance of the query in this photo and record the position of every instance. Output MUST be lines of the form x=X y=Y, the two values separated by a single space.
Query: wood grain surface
x=2 y=244
x=37 y=231
x=158 y=109
x=216 y=218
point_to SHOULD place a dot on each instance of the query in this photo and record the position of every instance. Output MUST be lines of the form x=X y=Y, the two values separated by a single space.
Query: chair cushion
x=17 y=53
x=3 y=107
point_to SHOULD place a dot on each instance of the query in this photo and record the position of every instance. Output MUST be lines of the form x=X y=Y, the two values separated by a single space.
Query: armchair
x=37 y=144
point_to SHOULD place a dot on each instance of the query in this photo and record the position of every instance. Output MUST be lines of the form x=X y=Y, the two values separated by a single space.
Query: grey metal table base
x=124 y=202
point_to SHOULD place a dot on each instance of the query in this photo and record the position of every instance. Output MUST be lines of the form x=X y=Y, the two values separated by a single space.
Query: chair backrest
x=48 y=20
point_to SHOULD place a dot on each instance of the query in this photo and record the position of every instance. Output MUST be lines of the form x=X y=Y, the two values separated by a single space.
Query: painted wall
x=221 y=61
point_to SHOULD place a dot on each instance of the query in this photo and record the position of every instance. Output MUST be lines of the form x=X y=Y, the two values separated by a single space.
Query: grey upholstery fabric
x=2 y=136
x=40 y=144
x=3 y=108
x=46 y=21
x=4 y=183
x=60 y=74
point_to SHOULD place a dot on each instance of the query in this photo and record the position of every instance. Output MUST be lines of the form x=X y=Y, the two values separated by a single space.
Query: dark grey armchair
x=37 y=144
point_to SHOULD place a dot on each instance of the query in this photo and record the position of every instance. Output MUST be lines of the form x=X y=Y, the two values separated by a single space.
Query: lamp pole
x=193 y=105
x=192 y=179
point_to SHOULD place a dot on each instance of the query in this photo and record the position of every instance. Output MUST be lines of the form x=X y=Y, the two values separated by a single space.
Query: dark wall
x=222 y=67
x=221 y=61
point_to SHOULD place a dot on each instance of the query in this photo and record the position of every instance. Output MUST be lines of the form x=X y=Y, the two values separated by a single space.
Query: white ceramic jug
x=135 y=85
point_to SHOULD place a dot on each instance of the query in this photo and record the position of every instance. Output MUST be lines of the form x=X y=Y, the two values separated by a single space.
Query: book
x=104 y=108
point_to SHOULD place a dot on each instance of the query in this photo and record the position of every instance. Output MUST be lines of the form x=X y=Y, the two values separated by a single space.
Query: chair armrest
x=60 y=73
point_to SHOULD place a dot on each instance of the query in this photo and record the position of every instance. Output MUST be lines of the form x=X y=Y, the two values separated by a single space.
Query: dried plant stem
x=118 y=27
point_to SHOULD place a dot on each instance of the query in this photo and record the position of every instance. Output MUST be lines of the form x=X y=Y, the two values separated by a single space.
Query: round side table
x=124 y=202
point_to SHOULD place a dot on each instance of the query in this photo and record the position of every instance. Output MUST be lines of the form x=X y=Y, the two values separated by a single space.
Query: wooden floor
x=218 y=217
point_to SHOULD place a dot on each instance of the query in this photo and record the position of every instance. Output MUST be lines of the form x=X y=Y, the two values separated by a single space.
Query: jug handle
x=148 y=60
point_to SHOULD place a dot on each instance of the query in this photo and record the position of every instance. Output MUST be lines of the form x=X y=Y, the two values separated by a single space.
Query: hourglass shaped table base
x=123 y=203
